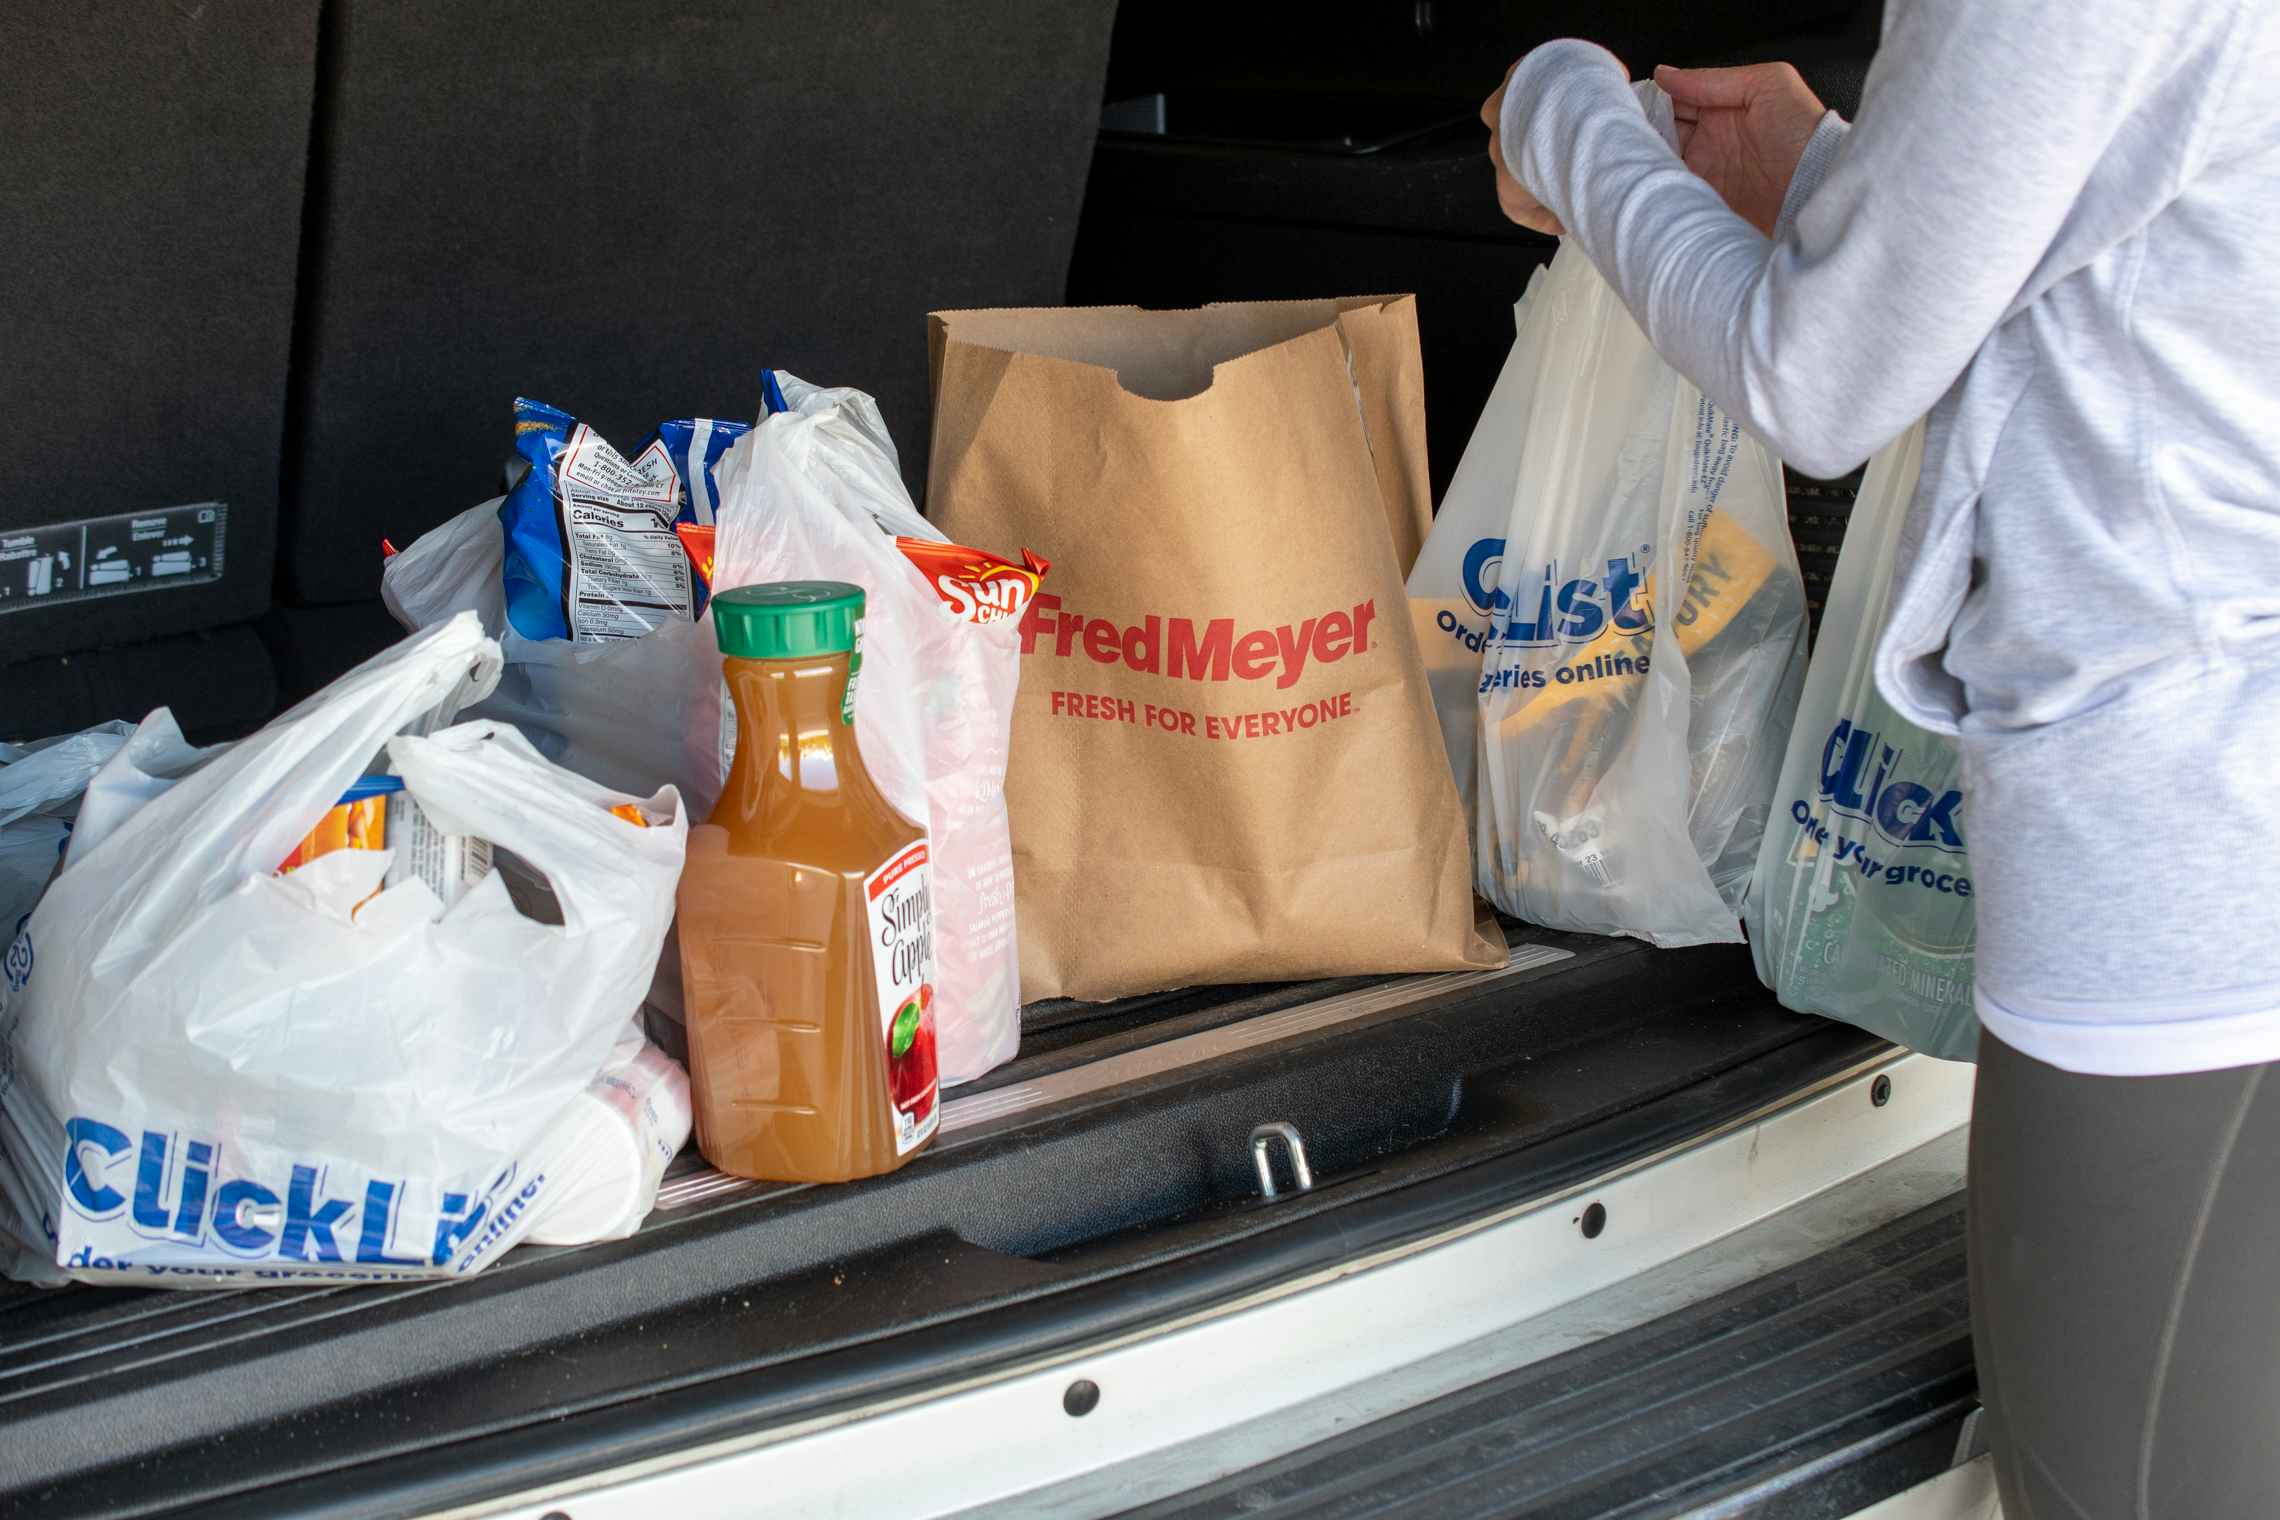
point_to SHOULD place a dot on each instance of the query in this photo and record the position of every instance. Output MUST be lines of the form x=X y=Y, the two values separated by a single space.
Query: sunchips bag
x=1862 y=907
x=1225 y=765
x=976 y=586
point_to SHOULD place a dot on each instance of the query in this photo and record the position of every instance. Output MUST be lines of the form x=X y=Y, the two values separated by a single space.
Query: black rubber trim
x=1805 y=1395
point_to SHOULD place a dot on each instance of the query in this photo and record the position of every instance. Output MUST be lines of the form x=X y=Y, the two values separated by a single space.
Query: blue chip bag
x=590 y=550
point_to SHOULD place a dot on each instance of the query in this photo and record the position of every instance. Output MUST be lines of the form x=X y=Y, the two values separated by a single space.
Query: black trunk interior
x=298 y=258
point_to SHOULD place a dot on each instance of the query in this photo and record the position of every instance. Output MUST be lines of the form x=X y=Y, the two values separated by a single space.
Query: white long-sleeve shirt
x=2055 y=227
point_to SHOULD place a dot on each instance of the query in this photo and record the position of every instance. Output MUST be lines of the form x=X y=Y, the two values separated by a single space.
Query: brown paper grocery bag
x=1226 y=766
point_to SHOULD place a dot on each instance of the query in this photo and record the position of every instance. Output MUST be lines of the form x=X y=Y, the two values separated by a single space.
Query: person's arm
x=1982 y=124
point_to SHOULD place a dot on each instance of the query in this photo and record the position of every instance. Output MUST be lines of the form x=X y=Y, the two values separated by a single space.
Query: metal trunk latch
x=1262 y=1139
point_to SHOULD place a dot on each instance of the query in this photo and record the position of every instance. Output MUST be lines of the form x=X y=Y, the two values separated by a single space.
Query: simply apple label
x=901 y=899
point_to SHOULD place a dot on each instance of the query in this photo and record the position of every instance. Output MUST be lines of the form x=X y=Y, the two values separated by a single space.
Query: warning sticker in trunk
x=109 y=556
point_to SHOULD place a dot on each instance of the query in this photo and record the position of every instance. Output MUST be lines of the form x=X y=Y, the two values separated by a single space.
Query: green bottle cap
x=787 y=620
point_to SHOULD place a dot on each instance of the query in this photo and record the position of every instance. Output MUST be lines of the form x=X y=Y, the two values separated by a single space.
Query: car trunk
x=1105 y=1181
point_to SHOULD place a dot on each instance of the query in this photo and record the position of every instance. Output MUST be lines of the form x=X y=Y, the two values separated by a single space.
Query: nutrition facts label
x=627 y=571
x=111 y=556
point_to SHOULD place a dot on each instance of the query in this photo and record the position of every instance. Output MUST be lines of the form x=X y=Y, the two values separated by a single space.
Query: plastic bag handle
x=485 y=780
x=242 y=811
x=1662 y=111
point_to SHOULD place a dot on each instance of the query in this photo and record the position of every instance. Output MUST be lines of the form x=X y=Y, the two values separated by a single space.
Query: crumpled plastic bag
x=40 y=787
x=211 y=1074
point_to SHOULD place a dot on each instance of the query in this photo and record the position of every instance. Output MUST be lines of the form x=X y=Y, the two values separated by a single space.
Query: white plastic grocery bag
x=814 y=493
x=811 y=493
x=1862 y=906
x=212 y=1074
x=40 y=787
x=1645 y=640
x=625 y=712
x=1454 y=580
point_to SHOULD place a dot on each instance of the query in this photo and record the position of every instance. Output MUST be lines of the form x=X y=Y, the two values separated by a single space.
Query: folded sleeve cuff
x=1541 y=100
x=1820 y=153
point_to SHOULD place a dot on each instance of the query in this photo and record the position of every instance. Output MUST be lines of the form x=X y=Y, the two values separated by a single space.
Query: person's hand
x=1743 y=130
x=1518 y=204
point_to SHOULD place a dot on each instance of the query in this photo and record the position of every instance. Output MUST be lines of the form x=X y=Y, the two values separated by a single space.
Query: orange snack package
x=359 y=821
x=978 y=587
x=697 y=540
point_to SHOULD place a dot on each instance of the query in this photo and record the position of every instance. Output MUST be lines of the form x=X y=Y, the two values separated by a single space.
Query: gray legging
x=2125 y=1290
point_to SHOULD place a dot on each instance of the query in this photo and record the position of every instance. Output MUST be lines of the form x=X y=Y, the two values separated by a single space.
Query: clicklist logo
x=1859 y=778
x=1553 y=608
x=174 y=1190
